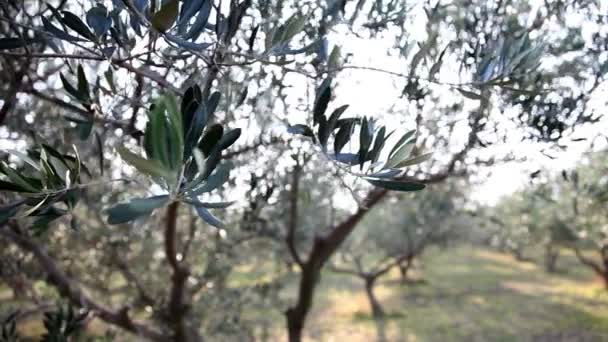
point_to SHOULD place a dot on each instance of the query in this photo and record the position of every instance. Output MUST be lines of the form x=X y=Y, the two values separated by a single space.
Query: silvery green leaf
x=229 y=138
x=209 y=205
x=72 y=21
x=57 y=32
x=400 y=155
x=146 y=166
x=374 y=153
x=208 y=217
x=214 y=181
x=402 y=141
x=83 y=84
x=334 y=58
x=199 y=158
x=343 y=136
x=17 y=179
x=347 y=158
x=416 y=160
x=293 y=26
x=300 y=129
x=210 y=139
x=334 y=117
x=437 y=65
x=98 y=19
x=24 y=157
x=386 y=173
x=188 y=10
x=322 y=99
x=186 y=44
x=469 y=94
x=365 y=140
x=135 y=208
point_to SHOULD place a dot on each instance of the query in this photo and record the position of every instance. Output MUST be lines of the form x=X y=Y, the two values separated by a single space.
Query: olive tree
x=396 y=235
x=582 y=195
x=565 y=211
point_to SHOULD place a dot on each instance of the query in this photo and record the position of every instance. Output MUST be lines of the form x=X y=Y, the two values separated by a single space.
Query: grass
x=468 y=294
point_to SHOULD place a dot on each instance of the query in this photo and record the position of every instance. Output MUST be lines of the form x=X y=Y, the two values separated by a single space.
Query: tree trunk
x=380 y=330
x=551 y=256
x=18 y=285
x=296 y=315
x=599 y=269
x=265 y=334
x=404 y=268
x=295 y=324
x=322 y=250
x=604 y=253
x=519 y=254
x=377 y=311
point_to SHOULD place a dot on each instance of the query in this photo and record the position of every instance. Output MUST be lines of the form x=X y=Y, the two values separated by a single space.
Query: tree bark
x=377 y=311
x=177 y=308
x=599 y=269
x=518 y=253
x=605 y=279
x=296 y=315
x=404 y=268
x=551 y=256
x=322 y=249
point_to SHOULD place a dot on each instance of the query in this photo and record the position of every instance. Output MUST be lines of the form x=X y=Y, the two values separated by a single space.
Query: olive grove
x=155 y=152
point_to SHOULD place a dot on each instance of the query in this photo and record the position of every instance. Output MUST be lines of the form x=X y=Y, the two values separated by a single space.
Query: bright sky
x=373 y=93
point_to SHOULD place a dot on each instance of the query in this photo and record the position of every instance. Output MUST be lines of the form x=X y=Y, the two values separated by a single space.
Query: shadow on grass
x=480 y=295
x=471 y=302
x=504 y=315
x=362 y=316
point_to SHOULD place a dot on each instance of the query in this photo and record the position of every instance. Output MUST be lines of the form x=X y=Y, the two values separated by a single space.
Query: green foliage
x=173 y=160
x=8 y=328
x=150 y=167
x=561 y=233
x=279 y=38
x=512 y=55
x=99 y=20
x=562 y=209
x=72 y=21
x=210 y=139
x=396 y=233
x=81 y=91
x=63 y=324
x=46 y=179
x=166 y=16
x=135 y=208
x=371 y=144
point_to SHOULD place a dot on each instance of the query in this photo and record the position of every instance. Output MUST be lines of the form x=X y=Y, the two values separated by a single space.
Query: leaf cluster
x=183 y=156
x=371 y=142
x=48 y=183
